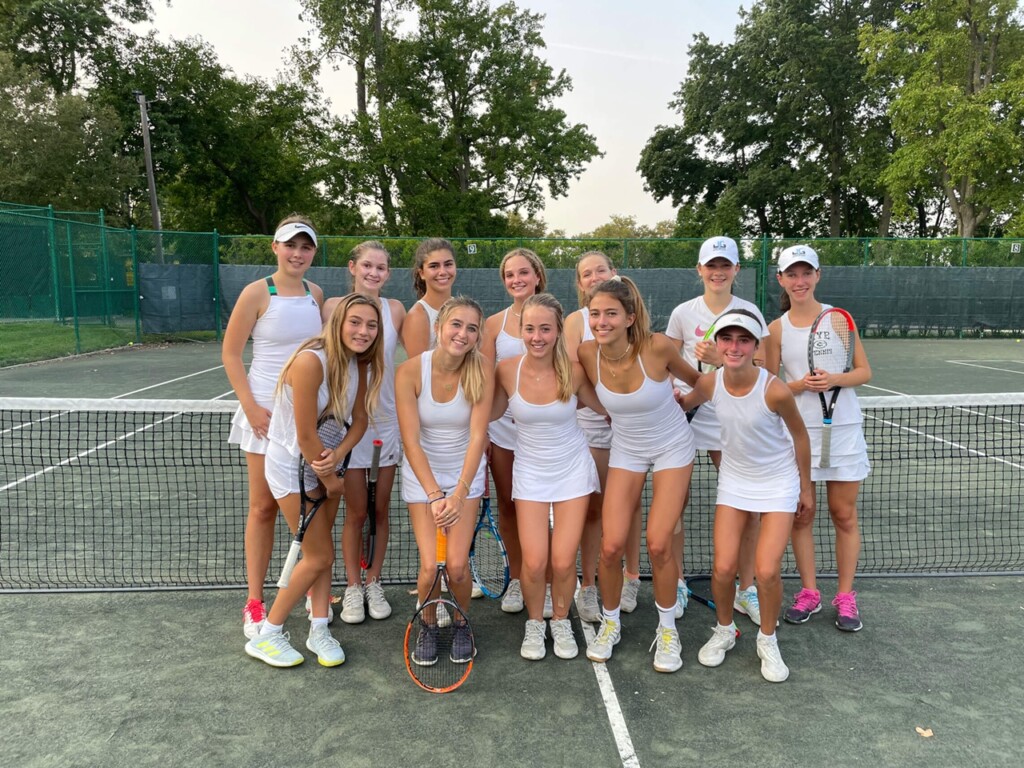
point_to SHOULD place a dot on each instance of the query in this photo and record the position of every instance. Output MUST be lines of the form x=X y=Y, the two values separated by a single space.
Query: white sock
x=316 y=623
x=666 y=616
x=767 y=638
x=612 y=615
x=271 y=629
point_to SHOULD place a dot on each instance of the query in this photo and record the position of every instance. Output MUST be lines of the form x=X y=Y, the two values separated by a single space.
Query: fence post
x=52 y=232
x=108 y=311
x=216 y=282
x=963 y=251
x=74 y=287
x=136 y=285
x=867 y=251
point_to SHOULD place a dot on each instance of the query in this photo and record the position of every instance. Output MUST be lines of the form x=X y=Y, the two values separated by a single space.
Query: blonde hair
x=563 y=365
x=338 y=358
x=471 y=368
x=363 y=247
x=624 y=290
x=423 y=250
x=582 y=296
x=535 y=262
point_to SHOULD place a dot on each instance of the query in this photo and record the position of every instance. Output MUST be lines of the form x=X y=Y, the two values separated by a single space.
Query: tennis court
x=160 y=677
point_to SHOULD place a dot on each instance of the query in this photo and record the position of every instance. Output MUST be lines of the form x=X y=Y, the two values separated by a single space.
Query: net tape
x=148 y=494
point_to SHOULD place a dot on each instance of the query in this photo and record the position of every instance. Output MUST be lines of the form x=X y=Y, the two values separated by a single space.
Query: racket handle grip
x=375 y=463
x=825 y=461
x=289 y=564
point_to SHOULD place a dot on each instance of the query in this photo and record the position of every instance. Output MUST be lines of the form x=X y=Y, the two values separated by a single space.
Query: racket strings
x=439 y=653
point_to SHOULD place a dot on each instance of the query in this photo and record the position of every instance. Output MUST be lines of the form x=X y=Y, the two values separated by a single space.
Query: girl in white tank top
x=553 y=470
x=592 y=269
x=765 y=470
x=443 y=399
x=279 y=312
x=798 y=275
x=523 y=276
x=433 y=276
x=342 y=378
x=370 y=269
x=631 y=369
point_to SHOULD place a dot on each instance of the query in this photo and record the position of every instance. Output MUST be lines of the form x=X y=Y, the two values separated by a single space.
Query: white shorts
x=281 y=470
x=787 y=503
x=447 y=481
x=242 y=435
x=674 y=456
x=707 y=432
x=598 y=435
x=390 y=452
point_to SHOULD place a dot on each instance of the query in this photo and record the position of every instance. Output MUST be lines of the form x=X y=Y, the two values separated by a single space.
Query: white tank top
x=386 y=408
x=282 y=424
x=757 y=450
x=545 y=431
x=288 y=321
x=502 y=432
x=431 y=320
x=444 y=427
x=794 y=365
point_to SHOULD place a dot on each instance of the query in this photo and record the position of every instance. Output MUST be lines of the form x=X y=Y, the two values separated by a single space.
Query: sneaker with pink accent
x=253 y=616
x=847 y=615
x=806 y=603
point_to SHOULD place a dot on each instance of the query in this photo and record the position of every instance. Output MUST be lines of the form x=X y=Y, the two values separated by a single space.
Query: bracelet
x=464 y=484
x=460 y=499
x=432 y=493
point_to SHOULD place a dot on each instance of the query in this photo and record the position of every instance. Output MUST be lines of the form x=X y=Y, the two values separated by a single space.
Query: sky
x=626 y=60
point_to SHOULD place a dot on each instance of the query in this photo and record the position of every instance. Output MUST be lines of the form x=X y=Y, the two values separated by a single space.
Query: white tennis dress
x=502 y=432
x=384 y=424
x=595 y=426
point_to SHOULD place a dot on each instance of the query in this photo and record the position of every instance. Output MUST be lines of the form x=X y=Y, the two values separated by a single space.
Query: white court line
x=83 y=454
x=986 y=367
x=883 y=389
x=170 y=381
x=611 y=704
x=943 y=441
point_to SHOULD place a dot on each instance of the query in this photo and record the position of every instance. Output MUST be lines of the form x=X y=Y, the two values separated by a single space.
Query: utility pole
x=150 y=178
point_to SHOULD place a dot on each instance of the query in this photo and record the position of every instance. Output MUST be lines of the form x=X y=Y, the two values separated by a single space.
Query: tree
x=232 y=154
x=620 y=227
x=780 y=126
x=55 y=36
x=58 y=149
x=956 y=71
x=456 y=126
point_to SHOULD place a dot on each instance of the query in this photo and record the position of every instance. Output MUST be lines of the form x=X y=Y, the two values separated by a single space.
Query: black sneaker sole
x=804 y=620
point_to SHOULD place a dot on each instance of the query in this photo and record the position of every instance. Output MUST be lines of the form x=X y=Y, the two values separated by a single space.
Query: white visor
x=738 y=320
x=290 y=230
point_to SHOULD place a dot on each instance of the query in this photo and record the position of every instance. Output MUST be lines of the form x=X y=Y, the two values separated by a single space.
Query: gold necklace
x=448 y=387
x=609 y=360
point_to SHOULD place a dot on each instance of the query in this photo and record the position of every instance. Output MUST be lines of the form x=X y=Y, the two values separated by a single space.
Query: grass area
x=31 y=342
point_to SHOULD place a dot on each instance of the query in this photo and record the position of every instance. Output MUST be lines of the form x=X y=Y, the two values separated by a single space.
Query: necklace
x=448 y=387
x=609 y=360
x=517 y=314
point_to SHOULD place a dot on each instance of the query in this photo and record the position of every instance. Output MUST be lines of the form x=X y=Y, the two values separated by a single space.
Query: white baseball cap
x=719 y=248
x=796 y=254
x=739 y=320
x=287 y=231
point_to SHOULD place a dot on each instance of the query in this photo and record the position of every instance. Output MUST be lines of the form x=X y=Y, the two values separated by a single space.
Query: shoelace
x=806 y=599
x=324 y=639
x=846 y=603
x=535 y=632
x=255 y=610
x=667 y=641
x=607 y=632
x=353 y=597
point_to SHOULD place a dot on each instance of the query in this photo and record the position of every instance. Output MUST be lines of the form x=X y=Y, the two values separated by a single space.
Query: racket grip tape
x=825 y=461
x=289 y=564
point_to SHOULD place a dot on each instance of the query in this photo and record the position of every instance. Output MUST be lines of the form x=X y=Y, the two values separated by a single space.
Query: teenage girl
x=765 y=470
x=337 y=373
x=799 y=273
x=592 y=269
x=632 y=369
x=433 y=275
x=523 y=276
x=444 y=403
x=718 y=265
x=369 y=267
x=553 y=471
x=279 y=313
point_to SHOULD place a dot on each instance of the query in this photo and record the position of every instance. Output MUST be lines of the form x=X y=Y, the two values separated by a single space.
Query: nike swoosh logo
x=699 y=331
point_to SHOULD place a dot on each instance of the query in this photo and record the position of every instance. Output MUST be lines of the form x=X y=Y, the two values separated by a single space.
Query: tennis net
x=147 y=494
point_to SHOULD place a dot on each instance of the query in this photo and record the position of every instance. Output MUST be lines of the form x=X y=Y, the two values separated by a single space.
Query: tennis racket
x=487 y=556
x=312 y=493
x=830 y=349
x=370 y=526
x=702 y=367
x=439 y=658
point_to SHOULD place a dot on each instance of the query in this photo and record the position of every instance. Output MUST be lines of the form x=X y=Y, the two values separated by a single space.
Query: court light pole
x=147 y=147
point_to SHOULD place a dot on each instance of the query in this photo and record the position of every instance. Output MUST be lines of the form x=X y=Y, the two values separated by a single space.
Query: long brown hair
x=628 y=295
x=563 y=365
x=423 y=250
x=339 y=356
x=471 y=369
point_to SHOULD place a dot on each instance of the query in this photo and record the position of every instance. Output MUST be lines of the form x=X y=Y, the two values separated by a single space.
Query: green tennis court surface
x=161 y=678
